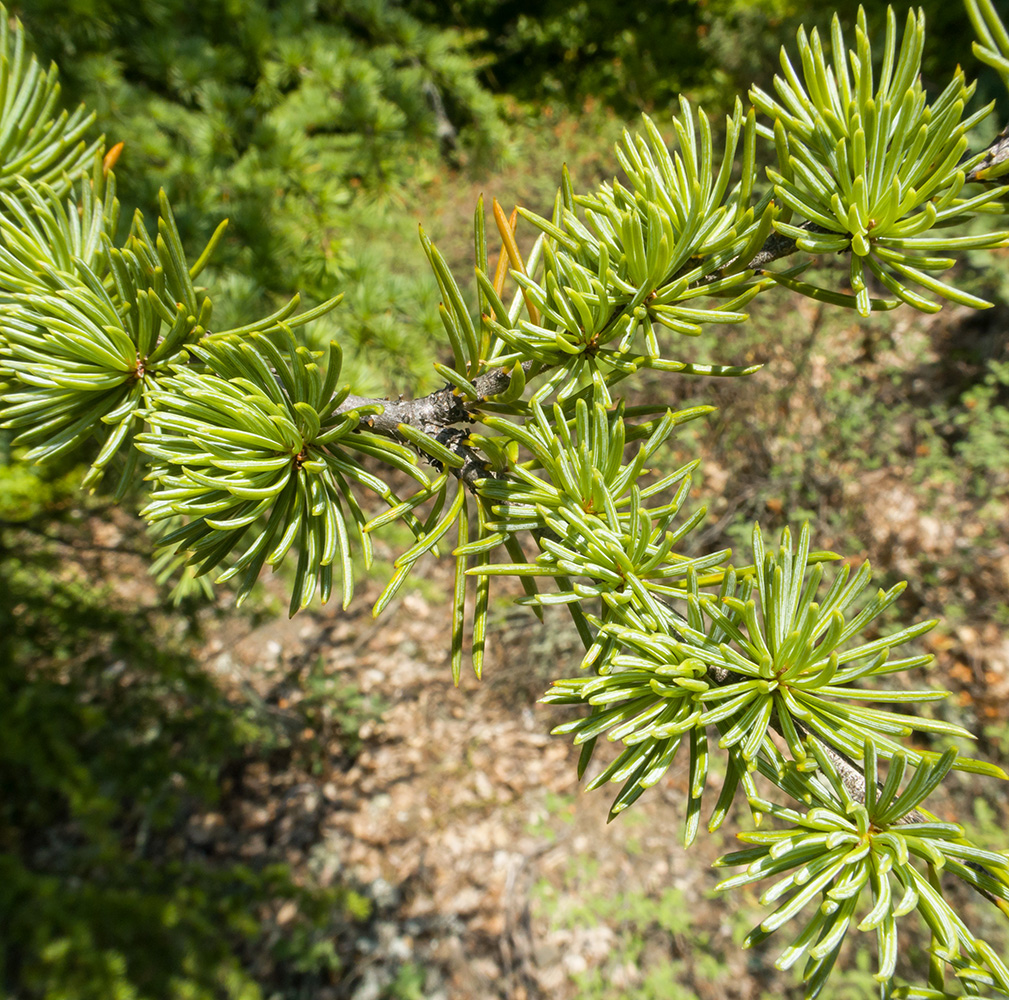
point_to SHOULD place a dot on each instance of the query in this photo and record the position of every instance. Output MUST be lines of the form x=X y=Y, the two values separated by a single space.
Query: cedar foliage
x=258 y=454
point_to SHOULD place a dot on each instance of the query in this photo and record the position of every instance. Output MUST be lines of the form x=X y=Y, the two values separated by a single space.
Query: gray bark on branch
x=438 y=415
x=997 y=153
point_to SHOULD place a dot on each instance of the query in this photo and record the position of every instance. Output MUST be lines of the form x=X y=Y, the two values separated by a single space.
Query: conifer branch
x=257 y=455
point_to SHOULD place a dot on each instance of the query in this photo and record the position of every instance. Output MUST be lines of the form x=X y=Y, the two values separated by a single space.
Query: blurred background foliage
x=640 y=57
x=324 y=130
x=117 y=744
x=299 y=122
